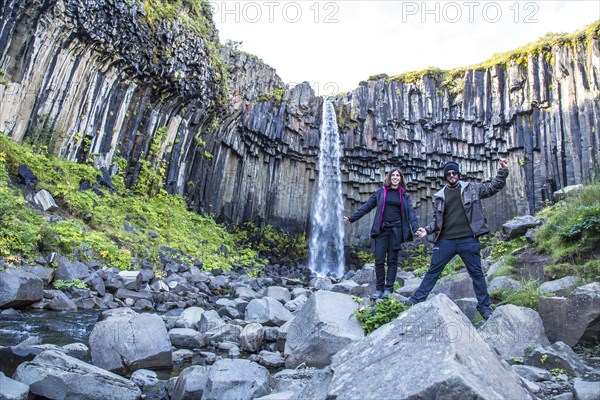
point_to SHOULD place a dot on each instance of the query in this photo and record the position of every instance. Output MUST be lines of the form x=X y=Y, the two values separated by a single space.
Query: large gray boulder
x=191 y=383
x=430 y=351
x=322 y=327
x=11 y=389
x=236 y=379
x=55 y=375
x=518 y=226
x=125 y=341
x=559 y=355
x=455 y=286
x=267 y=311
x=574 y=319
x=68 y=270
x=560 y=287
x=189 y=318
x=512 y=329
x=18 y=289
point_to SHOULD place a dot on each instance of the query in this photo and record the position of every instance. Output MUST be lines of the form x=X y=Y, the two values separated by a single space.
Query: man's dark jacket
x=471 y=193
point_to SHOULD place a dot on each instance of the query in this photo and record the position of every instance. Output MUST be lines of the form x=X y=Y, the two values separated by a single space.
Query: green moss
x=275 y=245
x=93 y=226
x=571 y=232
x=276 y=95
x=3 y=80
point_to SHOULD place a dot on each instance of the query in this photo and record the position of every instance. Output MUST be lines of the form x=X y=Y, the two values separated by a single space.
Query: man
x=457 y=223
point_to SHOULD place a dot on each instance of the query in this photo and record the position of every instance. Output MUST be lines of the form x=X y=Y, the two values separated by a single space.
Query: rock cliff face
x=96 y=81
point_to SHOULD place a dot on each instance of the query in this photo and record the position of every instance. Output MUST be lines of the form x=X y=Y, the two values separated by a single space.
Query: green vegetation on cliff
x=113 y=226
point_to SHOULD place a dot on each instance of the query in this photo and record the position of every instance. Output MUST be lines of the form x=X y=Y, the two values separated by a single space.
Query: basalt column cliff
x=130 y=90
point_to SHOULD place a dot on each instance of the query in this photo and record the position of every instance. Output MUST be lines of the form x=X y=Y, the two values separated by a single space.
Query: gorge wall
x=97 y=82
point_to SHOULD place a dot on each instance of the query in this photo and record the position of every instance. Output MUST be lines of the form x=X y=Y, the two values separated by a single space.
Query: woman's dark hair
x=387 y=182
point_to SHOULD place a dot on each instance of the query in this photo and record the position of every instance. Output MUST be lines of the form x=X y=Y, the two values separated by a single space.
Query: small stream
x=52 y=327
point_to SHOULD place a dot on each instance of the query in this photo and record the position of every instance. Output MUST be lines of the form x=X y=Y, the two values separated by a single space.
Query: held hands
x=421 y=233
x=503 y=162
x=347 y=221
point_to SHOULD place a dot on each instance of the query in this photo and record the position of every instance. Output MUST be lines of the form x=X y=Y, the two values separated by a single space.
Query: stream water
x=52 y=327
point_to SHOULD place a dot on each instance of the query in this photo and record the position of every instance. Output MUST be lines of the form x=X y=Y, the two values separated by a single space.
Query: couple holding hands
x=457 y=223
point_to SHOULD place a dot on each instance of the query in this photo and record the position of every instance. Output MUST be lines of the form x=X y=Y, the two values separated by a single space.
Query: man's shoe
x=486 y=315
x=377 y=295
x=386 y=294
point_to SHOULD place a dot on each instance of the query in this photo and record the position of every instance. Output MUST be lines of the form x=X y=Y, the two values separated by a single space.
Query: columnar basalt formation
x=96 y=81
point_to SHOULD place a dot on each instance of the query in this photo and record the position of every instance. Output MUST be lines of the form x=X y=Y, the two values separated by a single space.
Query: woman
x=394 y=223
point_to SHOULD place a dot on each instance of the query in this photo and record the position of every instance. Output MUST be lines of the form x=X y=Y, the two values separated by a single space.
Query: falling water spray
x=327 y=232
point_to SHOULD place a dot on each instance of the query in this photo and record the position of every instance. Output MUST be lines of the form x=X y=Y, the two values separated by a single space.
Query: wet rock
x=125 y=341
x=19 y=289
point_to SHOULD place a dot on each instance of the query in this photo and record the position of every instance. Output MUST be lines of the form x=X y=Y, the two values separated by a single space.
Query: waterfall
x=326 y=248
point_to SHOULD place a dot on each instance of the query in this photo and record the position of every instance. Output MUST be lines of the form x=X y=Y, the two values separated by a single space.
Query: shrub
x=527 y=296
x=381 y=313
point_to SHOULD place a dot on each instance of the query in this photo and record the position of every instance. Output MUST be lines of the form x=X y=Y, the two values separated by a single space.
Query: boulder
x=186 y=338
x=504 y=283
x=321 y=328
x=209 y=321
x=132 y=280
x=512 y=329
x=389 y=363
x=236 y=379
x=125 y=341
x=189 y=318
x=45 y=201
x=574 y=319
x=19 y=289
x=560 y=287
x=297 y=303
x=55 y=375
x=11 y=389
x=267 y=311
x=59 y=301
x=191 y=383
x=586 y=390
x=533 y=374
x=518 y=226
x=152 y=388
x=559 y=355
x=68 y=270
x=455 y=286
x=251 y=337
x=468 y=307
x=279 y=293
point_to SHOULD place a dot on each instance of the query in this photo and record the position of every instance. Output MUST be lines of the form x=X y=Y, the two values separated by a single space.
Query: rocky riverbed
x=286 y=334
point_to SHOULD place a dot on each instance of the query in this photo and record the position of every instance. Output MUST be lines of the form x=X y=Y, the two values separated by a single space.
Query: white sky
x=334 y=45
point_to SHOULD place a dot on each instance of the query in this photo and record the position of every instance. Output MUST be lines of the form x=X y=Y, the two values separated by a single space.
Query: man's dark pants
x=443 y=251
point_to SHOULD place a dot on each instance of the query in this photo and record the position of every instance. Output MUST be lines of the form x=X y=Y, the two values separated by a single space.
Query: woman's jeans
x=443 y=251
x=384 y=246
